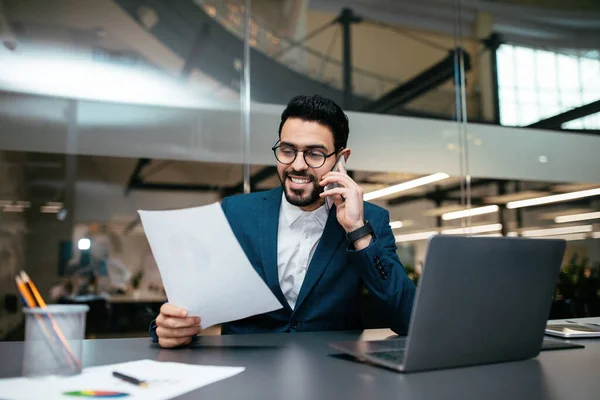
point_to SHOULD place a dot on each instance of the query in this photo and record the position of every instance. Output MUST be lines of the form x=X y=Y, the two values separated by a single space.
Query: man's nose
x=299 y=164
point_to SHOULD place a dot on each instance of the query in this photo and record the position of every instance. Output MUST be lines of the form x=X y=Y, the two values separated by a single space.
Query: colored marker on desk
x=130 y=379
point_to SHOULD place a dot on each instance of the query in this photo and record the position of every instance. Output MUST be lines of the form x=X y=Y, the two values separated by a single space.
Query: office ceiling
x=555 y=24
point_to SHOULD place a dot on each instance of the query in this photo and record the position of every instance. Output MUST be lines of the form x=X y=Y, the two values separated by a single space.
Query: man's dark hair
x=321 y=110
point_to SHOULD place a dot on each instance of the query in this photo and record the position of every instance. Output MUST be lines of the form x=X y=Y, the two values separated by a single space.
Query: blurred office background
x=477 y=117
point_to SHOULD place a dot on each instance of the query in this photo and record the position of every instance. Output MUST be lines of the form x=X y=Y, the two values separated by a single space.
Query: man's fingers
x=343 y=192
x=165 y=333
x=168 y=343
x=170 y=310
x=170 y=322
x=337 y=177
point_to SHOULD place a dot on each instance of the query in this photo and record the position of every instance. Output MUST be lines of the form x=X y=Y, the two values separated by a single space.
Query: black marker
x=130 y=379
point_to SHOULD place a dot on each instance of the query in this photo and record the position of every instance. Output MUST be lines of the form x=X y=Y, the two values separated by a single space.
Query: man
x=314 y=260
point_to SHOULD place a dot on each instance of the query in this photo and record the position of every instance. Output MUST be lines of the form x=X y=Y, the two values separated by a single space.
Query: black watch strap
x=360 y=232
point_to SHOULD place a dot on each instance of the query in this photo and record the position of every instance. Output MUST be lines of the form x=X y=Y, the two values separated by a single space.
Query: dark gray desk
x=301 y=366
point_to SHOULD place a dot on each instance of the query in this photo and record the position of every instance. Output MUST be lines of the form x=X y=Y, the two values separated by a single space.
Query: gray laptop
x=480 y=300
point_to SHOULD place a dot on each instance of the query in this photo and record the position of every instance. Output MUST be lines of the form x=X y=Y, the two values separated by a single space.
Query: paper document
x=165 y=380
x=203 y=267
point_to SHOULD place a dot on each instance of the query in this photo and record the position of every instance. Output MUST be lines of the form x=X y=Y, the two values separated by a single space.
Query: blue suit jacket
x=329 y=298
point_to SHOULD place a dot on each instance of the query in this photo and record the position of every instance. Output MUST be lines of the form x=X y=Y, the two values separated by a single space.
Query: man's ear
x=346 y=153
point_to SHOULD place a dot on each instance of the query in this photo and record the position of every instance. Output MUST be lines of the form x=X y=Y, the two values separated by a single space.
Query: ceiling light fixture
x=553 y=198
x=396 y=224
x=405 y=186
x=473 y=229
x=557 y=231
x=572 y=236
x=411 y=237
x=577 y=217
x=470 y=212
x=13 y=208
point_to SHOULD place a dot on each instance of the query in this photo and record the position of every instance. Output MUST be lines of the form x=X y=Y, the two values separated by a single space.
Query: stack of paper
x=165 y=380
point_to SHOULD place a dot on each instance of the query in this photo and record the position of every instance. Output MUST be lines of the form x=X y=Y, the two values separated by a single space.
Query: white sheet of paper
x=203 y=267
x=165 y=381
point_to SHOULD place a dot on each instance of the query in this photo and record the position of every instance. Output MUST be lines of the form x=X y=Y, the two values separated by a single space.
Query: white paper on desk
x=203 y=267
x=165 y=381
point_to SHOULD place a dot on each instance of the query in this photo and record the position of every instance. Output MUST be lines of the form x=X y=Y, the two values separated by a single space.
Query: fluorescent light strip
x=553 y=199
x=596 y=235
x=470 y=212
x=573 y=236
x=405 y=186
x=473 y=229
x=577 y=217
x=396 y=224
x=13 y=208
x=558 y=231
x=50 y=209
x=411 y=237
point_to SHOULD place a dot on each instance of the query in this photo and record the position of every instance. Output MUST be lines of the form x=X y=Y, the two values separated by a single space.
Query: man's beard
x=300 y=198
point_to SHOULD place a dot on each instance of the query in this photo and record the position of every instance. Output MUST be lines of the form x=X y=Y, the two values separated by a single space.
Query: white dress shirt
x=298 y=236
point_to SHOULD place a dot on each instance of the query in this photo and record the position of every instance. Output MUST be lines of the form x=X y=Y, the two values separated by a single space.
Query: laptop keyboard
x=396 y=356
x=393 y=350
x=383 y=345
x=389 y=350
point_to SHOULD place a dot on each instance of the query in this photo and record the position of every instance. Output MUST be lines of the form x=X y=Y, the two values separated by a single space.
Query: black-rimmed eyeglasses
x=286 y=154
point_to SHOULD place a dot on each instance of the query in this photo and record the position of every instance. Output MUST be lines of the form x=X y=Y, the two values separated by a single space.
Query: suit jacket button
x=294 y=325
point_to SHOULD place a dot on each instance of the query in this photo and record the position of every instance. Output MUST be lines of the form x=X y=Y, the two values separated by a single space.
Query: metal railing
x=298 y=56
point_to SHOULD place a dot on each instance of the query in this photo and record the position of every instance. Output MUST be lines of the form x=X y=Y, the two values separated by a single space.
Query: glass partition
x=129 y=105
x=535 y=173
x=107 y=109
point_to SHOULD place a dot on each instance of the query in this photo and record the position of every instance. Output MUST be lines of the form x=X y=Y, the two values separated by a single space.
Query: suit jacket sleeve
x=383 y=274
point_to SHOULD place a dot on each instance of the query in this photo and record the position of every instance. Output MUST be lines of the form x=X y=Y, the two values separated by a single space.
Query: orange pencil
x=42 y=304
x=29 y=303
x=34 y=291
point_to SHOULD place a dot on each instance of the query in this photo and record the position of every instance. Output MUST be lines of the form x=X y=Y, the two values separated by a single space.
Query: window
x=535 y=84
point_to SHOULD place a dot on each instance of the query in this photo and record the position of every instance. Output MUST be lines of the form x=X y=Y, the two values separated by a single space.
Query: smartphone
x=340 y=161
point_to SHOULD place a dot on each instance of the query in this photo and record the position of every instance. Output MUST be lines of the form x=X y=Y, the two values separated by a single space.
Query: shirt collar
x=292 y=213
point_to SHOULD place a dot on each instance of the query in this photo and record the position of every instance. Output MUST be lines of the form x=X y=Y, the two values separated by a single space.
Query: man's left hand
x=348 y=199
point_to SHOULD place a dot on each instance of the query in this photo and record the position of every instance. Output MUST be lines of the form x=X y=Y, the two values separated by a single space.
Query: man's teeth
x=299 y=180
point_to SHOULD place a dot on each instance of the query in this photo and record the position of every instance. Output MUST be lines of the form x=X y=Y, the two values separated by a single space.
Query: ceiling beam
x=255 y=179
x=135 y=177
x=556 y=121
x=426 y=81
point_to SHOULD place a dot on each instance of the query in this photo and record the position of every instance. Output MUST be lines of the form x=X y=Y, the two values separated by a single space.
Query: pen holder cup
x=54 y=340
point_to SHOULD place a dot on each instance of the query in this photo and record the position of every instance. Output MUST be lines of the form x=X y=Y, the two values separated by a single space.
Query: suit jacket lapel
x=332 y=238
x=268 y=229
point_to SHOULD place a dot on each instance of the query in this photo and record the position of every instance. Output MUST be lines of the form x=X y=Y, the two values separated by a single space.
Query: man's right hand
x=174 y=327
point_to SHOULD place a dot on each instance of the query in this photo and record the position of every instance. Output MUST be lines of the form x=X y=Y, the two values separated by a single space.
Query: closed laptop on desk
x=480 y=300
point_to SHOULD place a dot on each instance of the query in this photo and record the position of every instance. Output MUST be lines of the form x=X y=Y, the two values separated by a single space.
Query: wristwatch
x=359 y=233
